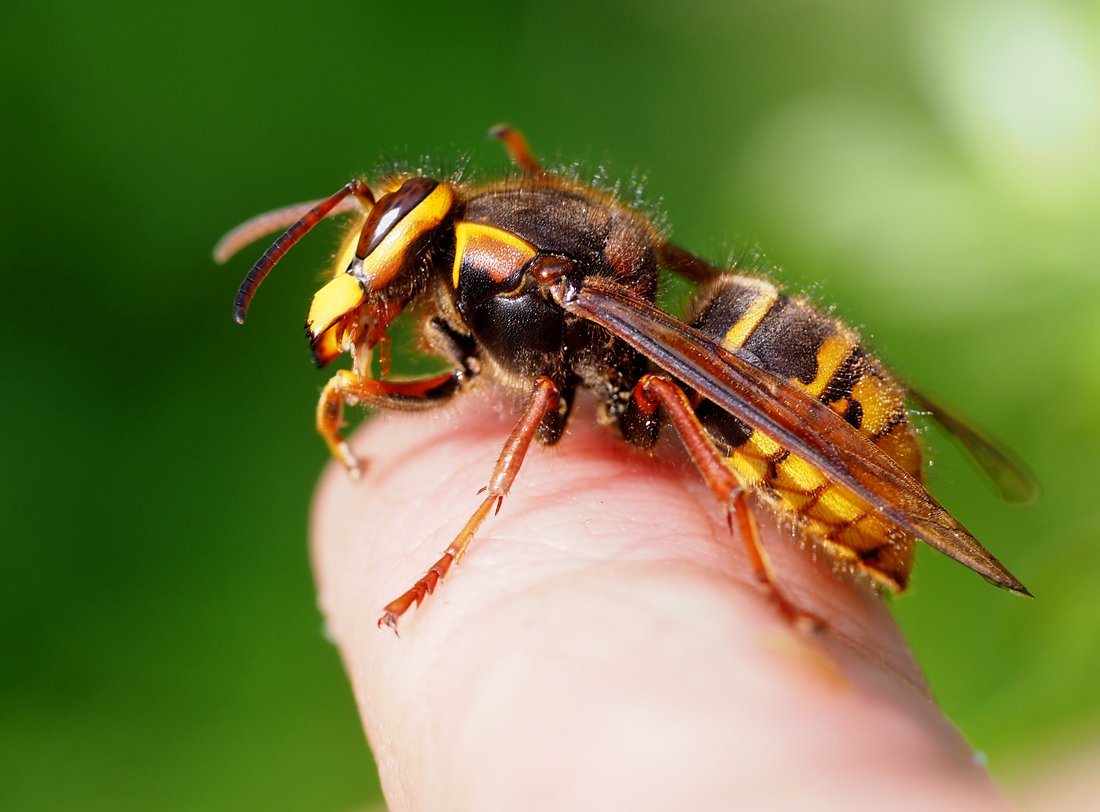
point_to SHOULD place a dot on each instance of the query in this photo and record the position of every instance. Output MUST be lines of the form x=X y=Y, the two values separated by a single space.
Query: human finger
x=604 y=642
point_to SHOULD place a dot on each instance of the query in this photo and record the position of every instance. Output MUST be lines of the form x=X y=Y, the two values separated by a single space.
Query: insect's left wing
x=1011 y=478
x=794 y=419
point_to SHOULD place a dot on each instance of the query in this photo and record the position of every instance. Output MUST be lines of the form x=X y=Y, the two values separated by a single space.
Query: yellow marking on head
x=332 y=302
x=388 y=257
x=335 y=300
x=739 y=333
x=346 y=253
x=391 y=184
x=490 y=247
x=832 y=353
x=328 y=345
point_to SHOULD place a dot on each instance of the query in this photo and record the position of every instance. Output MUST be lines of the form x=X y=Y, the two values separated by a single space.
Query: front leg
x=347 y=387
x=543 y=407
x=655 y=392
x=453 y=345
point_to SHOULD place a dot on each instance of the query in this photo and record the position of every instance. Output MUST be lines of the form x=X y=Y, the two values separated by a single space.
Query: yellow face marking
x=335 y=300
x=332 y=302
x=491 y=248
x=391 y=184
x=387 y=259
x=346 y=253
x=329 y=345
x=744 y=327
x=832 y=353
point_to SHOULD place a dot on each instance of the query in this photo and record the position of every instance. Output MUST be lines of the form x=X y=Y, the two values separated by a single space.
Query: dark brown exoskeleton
x=547 y=285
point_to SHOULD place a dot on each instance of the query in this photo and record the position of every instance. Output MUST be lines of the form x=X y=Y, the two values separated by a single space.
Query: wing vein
x=794 y=419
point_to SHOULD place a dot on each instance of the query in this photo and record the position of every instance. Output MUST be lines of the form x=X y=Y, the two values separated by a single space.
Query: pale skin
x=603 y=644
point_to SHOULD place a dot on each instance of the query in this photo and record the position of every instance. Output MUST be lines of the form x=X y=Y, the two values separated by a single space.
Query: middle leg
x=544 y=402
x=653 y=392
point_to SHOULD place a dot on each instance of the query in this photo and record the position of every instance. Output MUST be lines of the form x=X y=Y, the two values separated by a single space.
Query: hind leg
x=653 y=392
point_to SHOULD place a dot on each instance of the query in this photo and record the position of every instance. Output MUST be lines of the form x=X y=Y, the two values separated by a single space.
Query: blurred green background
x=932 y=169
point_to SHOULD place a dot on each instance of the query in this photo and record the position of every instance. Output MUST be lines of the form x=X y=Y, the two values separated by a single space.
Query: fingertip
x=601 y=624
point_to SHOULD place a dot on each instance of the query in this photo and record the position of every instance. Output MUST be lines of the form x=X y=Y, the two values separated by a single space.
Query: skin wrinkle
x=544 y=646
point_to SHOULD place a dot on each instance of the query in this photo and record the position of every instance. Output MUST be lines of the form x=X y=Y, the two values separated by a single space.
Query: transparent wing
x=1012 y=480
x=795 y=420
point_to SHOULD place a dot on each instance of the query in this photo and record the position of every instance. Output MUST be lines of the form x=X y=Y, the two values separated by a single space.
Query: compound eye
x=391 y=210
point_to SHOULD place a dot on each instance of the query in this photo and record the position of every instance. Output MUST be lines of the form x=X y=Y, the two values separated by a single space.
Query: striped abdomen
x=787 y=336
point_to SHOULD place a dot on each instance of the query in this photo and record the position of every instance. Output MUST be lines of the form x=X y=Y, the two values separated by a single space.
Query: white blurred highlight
x=1019 y=83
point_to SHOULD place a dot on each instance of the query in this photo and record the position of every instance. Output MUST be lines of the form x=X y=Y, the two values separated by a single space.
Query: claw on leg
x=437 y=571
x=653 y=392
x=743 y=523
x=543 y=402
x=330 y=419
x=348 y=387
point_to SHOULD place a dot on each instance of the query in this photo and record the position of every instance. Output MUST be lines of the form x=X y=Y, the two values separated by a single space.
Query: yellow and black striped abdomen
x=792 y=339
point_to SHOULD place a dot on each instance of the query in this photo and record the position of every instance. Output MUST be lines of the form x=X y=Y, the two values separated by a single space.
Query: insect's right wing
x=1014 y=483
x=794 y=419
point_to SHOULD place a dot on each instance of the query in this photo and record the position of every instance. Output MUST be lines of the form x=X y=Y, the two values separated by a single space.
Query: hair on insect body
x=546 y=285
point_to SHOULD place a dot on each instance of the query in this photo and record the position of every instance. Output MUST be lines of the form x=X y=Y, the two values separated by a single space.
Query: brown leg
x=686 y=264
x=347 y=387
x=652 y=392
x=518 y=150
x=543 y=402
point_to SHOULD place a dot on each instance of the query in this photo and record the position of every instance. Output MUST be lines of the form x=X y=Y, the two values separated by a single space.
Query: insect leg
x=544 y=402
x=654 y=391
x=347 y=387
x=686 y=264
x=518 y=150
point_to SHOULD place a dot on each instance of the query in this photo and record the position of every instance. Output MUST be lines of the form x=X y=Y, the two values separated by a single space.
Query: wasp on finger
x=547 y=286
